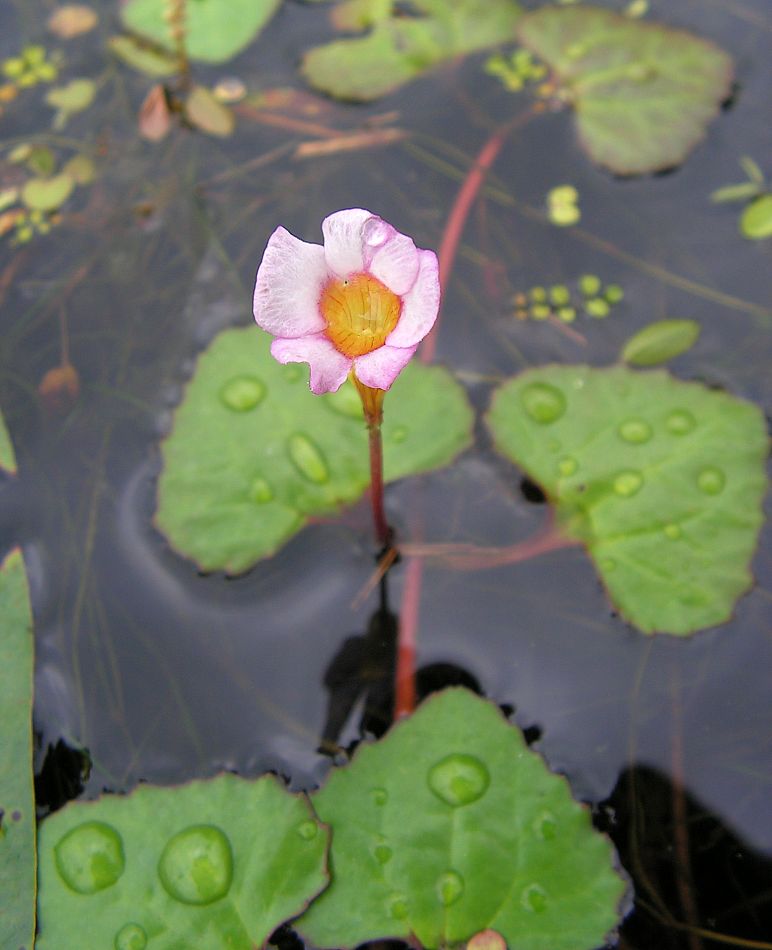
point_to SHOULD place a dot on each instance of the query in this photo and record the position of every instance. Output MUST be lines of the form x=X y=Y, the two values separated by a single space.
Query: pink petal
x=329 y=368
x=343 y=241
x=420 y=304
x=288 y=286
x=380 y=368
x=395 y=263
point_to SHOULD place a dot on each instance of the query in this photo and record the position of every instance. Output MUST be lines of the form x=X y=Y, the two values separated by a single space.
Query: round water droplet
x=635 y=431
x=308 y=459
x=196 y=866
x=382 y=853
x=260 y=491
x=308 y=830
x=379 y=796
x=608 y=564
x=242 y=393
x=398 y=907
x=680 y=422
x=293 y=373
x=711 y=480
x=672 y=531
x=628 y=483
x=567 y=466
x=543 y=403
x=450 y=887
x=545 y=826
x=130 y=937
x=346 y=402
x=534 y=898
x=399 y=434
x=459 y=779
x=90 y=858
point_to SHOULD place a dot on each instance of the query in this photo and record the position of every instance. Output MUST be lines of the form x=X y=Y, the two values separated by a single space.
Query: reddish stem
x=404 y=677
x=382 y=529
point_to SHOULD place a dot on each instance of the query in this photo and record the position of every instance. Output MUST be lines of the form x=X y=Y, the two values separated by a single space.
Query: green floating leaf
x=660 y=342
x=740 y=192
x=76 y=96
x=253 y=454
x=145 y=59
x=204 y=112
x=217 y=864
x=401 y=48
x=756 y=219
x=17 y=804
x=7 y=454
x=47 y=194
x=216 y=30
x=451 y=825
x=643 y=93
x=661 y=480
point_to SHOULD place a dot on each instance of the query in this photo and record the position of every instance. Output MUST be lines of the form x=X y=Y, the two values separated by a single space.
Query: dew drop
x=543 y=403
x=459 y=779
x=379 y=796
x=567 y=466
x=628 y=483
x=196 y=866
x=90 y=858
x=260 y=491
x=680 y=422
x=450 y=887
x=635 y=431
x=672 y=531
x=308 y=459
x=398 y=907
x=130 y=937
x=711 y=480
x=308 y=830
x=545 y=826
x=399 y=434
x=242 y=393
x=345 y=402
x=383 y=853
x=534 y=898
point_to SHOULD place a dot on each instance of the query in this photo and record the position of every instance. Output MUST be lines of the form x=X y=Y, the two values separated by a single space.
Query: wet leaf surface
x=216 y=29
x=17 y=807
x=400 y=48
x=661 y=480
x=253 y=454
x=225 y=857
x=451 y=825
x=643 y=93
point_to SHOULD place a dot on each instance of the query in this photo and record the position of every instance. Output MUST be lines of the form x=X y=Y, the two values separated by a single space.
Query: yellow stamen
x=360 y=313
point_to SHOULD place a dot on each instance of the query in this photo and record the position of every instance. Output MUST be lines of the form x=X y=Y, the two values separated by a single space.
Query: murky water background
x=164 y=674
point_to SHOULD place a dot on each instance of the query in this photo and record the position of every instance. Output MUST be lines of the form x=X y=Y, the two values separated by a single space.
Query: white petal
x=420 y=304
x=288 y=286
x=395 y=263
x=344 y=242
x=380 y=368
x=329 y=368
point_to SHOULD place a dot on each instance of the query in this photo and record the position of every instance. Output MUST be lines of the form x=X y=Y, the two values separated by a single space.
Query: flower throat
x=360 y=313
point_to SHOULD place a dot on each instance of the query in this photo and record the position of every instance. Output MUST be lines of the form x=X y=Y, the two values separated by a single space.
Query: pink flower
x=361 y=304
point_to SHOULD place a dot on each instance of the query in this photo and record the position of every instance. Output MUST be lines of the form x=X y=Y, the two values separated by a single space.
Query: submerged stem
x=372 y=403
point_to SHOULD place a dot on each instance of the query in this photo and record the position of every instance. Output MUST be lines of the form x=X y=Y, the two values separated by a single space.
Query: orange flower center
x=360 y=313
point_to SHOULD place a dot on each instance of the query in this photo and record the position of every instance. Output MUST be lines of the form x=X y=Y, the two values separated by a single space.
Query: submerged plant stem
x=383 y=532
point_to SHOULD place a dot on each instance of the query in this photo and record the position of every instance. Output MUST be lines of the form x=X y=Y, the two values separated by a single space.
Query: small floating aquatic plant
x=356 y=307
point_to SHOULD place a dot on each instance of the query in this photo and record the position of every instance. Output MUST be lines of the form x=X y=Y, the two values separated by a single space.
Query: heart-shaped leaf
x=662 y=481
x=643 y=93
x=450 y=825
x=217 y=864
x=254 y=454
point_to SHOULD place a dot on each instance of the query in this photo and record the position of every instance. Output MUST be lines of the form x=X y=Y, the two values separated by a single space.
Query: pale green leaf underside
x=17 y=807
x=216 y=29
x=401 y=48
x=662 y=481
x=237 y=483
x=513 y=852
x=242 y=857
x=643 y=93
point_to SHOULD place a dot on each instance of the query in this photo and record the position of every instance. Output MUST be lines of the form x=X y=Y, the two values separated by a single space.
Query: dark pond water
x=164 y=674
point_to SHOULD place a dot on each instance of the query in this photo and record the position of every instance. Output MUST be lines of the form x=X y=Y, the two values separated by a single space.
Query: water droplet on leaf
x=567 y=466
x=196 y=866
x=346 y=402
x=680 y=422
x=543 y=403
x=399 y=434
x=398 y=907
x=242 y=393
x=545 y=826
x=711 y=480
x=308 y=459
x=450 y=887
x=534 y=898
x=459 y=779
x=383 y=853
x=628 y=483
x=260 y=491
x=635 y=431
x=308 y=830
x=131 y=937
x=90 y=858
x=672 y=531
x=379 y=796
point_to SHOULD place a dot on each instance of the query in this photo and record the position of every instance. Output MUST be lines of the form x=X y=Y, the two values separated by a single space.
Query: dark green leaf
x=660 y=342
